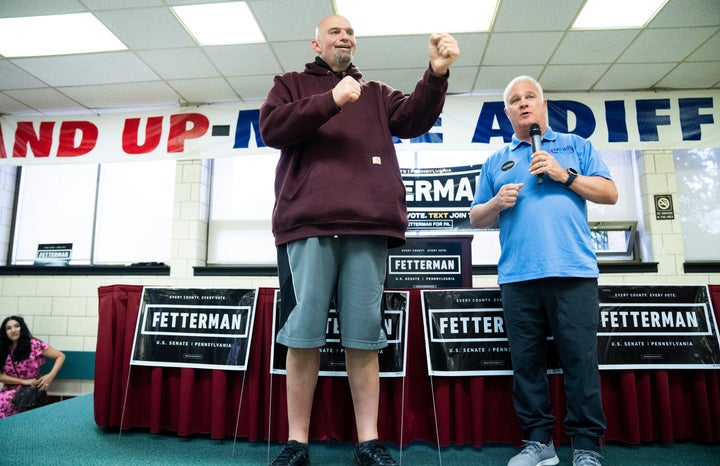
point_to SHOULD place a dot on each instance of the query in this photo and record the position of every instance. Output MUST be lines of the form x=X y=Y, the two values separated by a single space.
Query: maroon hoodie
x=338 y=173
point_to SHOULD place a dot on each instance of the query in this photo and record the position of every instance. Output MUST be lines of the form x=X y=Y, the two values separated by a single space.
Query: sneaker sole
x=549 y=462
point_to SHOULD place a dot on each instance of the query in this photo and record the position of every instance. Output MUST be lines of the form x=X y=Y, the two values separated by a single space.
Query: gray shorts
x=347 y=269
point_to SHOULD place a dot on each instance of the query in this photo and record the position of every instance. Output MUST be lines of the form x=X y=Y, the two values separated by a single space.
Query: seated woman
x=21 y=356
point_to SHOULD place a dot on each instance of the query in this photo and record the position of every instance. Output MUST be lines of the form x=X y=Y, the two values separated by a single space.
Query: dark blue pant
x=566 y=308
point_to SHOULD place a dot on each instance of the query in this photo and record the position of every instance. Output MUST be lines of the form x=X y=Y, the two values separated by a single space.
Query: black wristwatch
x=572 y=174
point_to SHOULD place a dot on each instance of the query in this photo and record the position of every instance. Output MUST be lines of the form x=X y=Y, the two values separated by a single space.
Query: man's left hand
x=443 y=50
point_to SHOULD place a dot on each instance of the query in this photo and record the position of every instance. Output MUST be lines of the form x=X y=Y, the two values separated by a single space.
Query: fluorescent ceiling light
x=220 y=23
x=617 y=14
x=34 y=36
x=404 y=17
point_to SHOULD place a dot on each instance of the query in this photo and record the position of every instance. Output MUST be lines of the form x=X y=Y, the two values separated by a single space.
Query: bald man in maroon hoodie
x=339 y=206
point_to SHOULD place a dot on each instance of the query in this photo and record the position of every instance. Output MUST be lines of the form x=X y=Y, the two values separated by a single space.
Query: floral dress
x=26 y=369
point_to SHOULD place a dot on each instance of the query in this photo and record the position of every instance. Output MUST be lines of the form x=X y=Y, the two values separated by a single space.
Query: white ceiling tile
x=146 y=28
x=709 y=51
x=117 y=4
x=46 y=99
x=411 y=51
x=496 y=78
x=9 y=105
x=398 y=52
x=696 y=75
x=181 y=63
x=293 y=55
x=123 y=95
x=243 y=60
x=401 y=79
x=626 y=77
x=195 y=2
x=472 y=48
x=462 y=79
x=12 y=77
x=287 y=20
x=593 y=46
x=70 y=111
x=532 y=48
x=665 y=45
x=100 y=68
x=252 y=88
x=688 y=13
x=204 y=90
x=523 y=15
x=563 y=78
x=13 y=8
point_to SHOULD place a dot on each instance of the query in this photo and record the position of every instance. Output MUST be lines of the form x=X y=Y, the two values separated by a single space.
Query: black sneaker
x=294 y=454
x=372 y=453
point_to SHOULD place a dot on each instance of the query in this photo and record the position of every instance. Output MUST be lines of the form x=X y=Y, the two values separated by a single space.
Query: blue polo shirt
x=546 y=233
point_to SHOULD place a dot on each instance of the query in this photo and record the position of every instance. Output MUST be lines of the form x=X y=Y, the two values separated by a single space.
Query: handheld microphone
x=535 y=138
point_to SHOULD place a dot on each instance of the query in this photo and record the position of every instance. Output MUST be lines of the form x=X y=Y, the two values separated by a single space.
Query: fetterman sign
x=640 y=327
x=194 y=327
x=394 y=308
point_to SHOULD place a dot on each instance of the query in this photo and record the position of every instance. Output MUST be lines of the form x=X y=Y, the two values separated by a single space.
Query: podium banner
x=194 y=327
x=395 y=309
x=641 y=327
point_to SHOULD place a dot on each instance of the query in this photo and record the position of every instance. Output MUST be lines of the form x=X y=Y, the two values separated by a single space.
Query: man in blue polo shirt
x=547 y=271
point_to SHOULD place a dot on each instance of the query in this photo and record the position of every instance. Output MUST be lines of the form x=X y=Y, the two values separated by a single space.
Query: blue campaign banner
x=395 y=309
x=640 y=327
x=201 y=328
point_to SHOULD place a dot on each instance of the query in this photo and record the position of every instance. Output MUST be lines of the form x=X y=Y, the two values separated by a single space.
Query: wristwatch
x=572 y=174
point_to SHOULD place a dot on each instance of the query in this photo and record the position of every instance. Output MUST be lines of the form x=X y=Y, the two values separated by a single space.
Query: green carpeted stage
x=65 y=433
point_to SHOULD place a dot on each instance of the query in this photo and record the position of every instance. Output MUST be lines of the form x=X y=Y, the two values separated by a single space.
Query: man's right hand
x=507 y=196
x=347 y=90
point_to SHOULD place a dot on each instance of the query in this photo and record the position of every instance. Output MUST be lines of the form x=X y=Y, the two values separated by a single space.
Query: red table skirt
x=640 y=405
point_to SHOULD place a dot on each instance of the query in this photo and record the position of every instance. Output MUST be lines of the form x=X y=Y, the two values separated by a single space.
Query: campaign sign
x=438 y=199
x=640 y=327
x=55 y=254
x=662 y=327
x=431 y=262
x=465 y=333
x=332 y=355
x=194 y=327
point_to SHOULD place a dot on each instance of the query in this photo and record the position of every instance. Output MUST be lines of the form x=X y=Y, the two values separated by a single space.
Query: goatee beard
x=343 y=59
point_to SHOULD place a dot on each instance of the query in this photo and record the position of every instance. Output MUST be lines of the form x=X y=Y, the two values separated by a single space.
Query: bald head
x=335 y=42
x=327 y=21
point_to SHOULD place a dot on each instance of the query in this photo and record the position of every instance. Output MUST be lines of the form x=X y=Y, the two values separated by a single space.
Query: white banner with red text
x=612 y=121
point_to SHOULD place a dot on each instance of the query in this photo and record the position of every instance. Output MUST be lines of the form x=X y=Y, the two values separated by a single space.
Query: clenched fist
x=347 y=90
x=443 y=50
